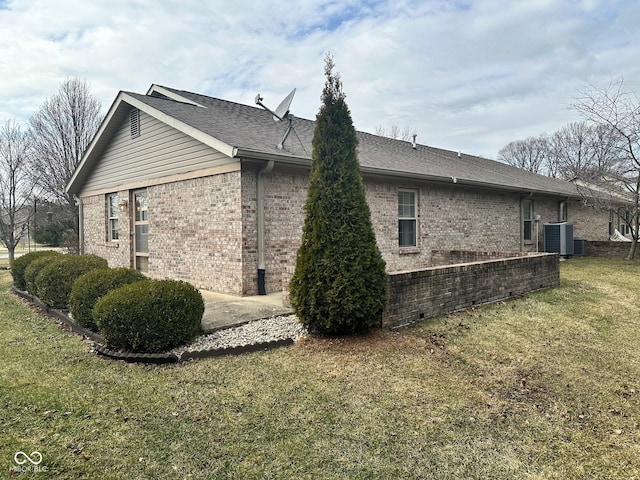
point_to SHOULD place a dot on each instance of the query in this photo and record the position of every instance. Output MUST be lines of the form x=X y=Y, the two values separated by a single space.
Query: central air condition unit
x=558 y=238
x=579 y=246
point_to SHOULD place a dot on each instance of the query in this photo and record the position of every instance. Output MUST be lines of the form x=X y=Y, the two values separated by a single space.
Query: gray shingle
x=252 y=128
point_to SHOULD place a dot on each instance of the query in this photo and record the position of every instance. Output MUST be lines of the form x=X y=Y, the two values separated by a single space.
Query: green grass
x=544 y=386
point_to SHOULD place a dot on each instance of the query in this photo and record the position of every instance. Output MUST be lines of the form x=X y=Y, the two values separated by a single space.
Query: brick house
x=190 y=187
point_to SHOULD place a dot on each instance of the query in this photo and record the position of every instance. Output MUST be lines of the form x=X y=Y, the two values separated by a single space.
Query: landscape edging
x=155 y=358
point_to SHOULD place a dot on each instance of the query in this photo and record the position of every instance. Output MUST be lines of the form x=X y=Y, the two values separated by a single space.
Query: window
x=407 y=218
x=527 y=219
x=624 y=221
x=112 y=217
x=134 y=122
x=141 y=232
x=562 y=212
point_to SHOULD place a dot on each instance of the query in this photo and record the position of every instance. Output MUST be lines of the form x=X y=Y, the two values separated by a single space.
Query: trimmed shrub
x=89 y=287
x=33 y=270
x=21 y=263
x=55 y=280
x=150 y=316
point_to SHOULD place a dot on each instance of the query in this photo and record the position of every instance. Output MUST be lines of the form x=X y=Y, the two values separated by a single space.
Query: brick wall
x=418 y=294
x=608 y=249
x=204 y=230
x=117 y=254
x=447 y=219
x=451 y=257
x=195 y=232
x=589 y=222
x=285 y=197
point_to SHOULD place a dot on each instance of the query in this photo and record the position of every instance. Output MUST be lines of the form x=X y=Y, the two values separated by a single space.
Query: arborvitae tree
x=339 y=284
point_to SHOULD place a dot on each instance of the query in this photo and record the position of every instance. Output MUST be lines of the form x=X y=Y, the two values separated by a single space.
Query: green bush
x=89 y=287
x=34 y=268
x=150 y=316
x=50 y=234
x=21 y=263
x=55 y=280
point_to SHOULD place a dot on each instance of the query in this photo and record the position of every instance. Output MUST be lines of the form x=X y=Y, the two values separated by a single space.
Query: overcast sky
x=468 y=75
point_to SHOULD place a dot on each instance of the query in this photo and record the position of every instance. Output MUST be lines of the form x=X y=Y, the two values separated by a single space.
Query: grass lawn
x=544 y=386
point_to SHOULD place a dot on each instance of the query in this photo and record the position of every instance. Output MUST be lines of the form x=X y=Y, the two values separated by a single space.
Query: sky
x=464 y=75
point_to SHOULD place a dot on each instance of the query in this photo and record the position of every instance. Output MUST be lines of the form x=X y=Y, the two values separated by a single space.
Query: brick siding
x=195 y=232
x=204 y=230
x=117 y=254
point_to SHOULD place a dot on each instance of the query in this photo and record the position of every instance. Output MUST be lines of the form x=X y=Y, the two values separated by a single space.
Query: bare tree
x=61 y=131
x=395 y=132
x=582 y=150
x=16 y=186
x=617 y=112
x=530 y=154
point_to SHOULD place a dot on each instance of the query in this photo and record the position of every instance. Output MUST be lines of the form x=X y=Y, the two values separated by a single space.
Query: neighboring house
x=617 y=198
x=191 y=187
x=21 y=222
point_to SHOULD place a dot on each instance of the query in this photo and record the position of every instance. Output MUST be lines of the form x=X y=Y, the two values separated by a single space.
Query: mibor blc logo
x=28 y=463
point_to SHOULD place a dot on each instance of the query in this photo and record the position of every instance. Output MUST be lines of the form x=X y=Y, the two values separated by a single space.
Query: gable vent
x=134 y=121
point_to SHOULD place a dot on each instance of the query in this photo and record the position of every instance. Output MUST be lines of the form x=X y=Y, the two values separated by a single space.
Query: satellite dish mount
x=281 y=114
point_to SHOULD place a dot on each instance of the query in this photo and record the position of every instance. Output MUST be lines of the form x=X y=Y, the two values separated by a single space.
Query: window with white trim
x=562 y=211
x=113 y=214
x=624 y=222
x=407 y=218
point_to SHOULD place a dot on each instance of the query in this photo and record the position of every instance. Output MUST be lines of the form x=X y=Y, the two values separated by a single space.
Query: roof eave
x=306 y=162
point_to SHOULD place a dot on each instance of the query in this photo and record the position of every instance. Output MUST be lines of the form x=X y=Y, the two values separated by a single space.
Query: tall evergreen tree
x=339 y=284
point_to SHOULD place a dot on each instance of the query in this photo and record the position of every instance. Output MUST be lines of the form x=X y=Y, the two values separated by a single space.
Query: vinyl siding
x=159 y=151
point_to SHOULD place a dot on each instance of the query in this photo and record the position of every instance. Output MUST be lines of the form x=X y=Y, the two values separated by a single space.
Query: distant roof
x=245 y=131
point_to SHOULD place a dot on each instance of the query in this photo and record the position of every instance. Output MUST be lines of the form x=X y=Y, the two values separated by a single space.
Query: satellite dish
x=283 y=109
x=281 y=113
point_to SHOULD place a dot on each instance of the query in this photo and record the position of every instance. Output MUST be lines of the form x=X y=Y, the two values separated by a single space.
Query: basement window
x=134 y=122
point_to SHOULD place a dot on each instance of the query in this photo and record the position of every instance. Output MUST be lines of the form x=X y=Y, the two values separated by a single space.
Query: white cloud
x=470 y=75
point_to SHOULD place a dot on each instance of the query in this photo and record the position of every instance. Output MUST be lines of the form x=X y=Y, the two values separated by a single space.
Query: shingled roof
x=250 y=132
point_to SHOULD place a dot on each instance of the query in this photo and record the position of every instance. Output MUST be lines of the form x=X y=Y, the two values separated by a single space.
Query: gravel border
x=255 y=335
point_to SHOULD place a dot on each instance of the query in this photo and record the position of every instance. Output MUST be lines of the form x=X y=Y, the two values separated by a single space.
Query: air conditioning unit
x=558 y=238
x=579 y=246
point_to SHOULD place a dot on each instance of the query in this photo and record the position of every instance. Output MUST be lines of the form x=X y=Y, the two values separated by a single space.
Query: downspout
x=80 y=224
x=260 y=221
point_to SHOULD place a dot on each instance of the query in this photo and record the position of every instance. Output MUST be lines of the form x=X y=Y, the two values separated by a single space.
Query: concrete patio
x=223 y=311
